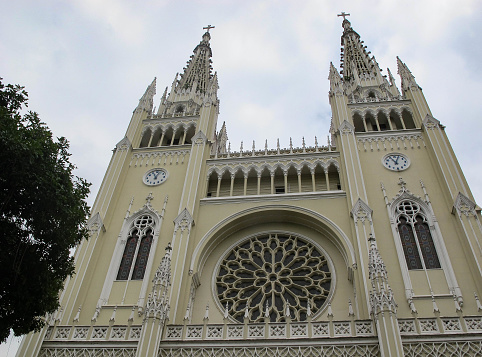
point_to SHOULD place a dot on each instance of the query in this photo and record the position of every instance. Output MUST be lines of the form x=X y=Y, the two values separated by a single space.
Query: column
x=232 y=185
x=219 y=186
x=313 y=181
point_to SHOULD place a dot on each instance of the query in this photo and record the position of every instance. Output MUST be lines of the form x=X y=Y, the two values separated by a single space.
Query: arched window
x=138 y=244
x=415 y=237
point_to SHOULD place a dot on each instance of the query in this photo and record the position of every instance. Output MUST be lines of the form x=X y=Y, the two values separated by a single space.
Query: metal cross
x=344 y=15
x=208 y=27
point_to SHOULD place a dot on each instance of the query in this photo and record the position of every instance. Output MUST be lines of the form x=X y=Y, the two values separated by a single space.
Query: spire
x=336 y=84
x=392 y=83
x=157 y=305
x=381 y=296
x=355 y=60
x=197 y=73
x=222 y=139
x=147 y=100
x=408 y=80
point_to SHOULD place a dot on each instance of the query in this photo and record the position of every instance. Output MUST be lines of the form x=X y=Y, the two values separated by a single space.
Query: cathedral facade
x=370 y=245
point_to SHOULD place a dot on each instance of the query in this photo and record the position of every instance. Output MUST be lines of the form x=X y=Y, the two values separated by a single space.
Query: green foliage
x=42 y=215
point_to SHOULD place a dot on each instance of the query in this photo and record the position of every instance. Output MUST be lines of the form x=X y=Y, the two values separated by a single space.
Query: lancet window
x=417 y=242
x=138 y=246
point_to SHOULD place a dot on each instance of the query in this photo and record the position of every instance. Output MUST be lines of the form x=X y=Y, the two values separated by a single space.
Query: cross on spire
x=208 y=27
x=344 y=15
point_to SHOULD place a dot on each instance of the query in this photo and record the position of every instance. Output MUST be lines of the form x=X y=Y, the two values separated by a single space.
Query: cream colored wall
x=423 y=168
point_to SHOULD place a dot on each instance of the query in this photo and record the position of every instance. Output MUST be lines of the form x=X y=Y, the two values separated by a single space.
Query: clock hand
x=155 y=175
x=396 y=162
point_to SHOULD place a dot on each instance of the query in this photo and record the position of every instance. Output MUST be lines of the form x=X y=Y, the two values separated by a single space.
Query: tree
x=42 y=215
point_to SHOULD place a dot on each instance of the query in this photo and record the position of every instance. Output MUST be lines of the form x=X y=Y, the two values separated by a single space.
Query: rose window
x=269 y=274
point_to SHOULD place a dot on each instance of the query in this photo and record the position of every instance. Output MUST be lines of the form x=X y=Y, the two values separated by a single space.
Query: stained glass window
x=427 y=247
x=142 y=256
x=270 y=273
x=127 y=257
x=138 y=246
x=415 y=237
x=409 y=245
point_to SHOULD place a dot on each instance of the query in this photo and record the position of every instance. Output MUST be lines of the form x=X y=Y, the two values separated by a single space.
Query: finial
x=246 y=312
x=434 y=304
x=266 y=147
x=186 y=316
x=344 y=15
x=148 y=199
x=329 y=310
x=291 y=146
x=350 y=308
x=303 y=144
x=226 y=311
x=287 y=311
x=112 y=317
x=131 y=316
x=209 y=27
x=266 y=310
x=206 y=314
x=479 y=305
x=316 y=144
x=76 y=318
x=457 y=305
x=308 y=309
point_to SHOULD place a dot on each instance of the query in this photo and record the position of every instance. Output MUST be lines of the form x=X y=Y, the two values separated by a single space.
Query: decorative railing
x=273 y=152
x=290 y=330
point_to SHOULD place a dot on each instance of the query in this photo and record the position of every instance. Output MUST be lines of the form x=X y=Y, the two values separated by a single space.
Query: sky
x=86 y=63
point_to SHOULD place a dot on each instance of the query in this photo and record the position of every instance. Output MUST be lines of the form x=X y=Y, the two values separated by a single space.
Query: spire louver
x=198 y=71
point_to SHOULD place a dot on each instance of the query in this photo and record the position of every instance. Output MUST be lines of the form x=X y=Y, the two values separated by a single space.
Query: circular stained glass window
x=267 y=274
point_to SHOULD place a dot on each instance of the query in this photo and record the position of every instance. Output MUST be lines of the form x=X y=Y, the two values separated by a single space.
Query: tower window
x=138 y=245
x=415 y=237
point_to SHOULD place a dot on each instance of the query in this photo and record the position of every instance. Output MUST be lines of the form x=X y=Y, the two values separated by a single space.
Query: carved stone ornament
x=95 y=224
x=430 y=122
x=199 y=138
x=463 y=205
x=123 y=145
x=361 y=211
x=183 y=221
x=346 y=128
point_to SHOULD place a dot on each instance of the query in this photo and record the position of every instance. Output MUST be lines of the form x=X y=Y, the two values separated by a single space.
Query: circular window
x=268 y=274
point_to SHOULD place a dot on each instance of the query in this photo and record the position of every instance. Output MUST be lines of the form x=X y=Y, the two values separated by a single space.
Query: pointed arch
x=145 y=137
x=407 y=118
x=358 y=122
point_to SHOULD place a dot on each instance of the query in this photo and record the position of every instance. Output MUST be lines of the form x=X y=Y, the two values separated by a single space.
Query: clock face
x=155 y=177
x=396 y=162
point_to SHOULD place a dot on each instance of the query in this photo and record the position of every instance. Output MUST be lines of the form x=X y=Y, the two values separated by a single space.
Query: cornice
x=273 y=197
x=274 y=158
x=380 y=103
x=388 y=133
x=157 y=119
x=160 y=149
